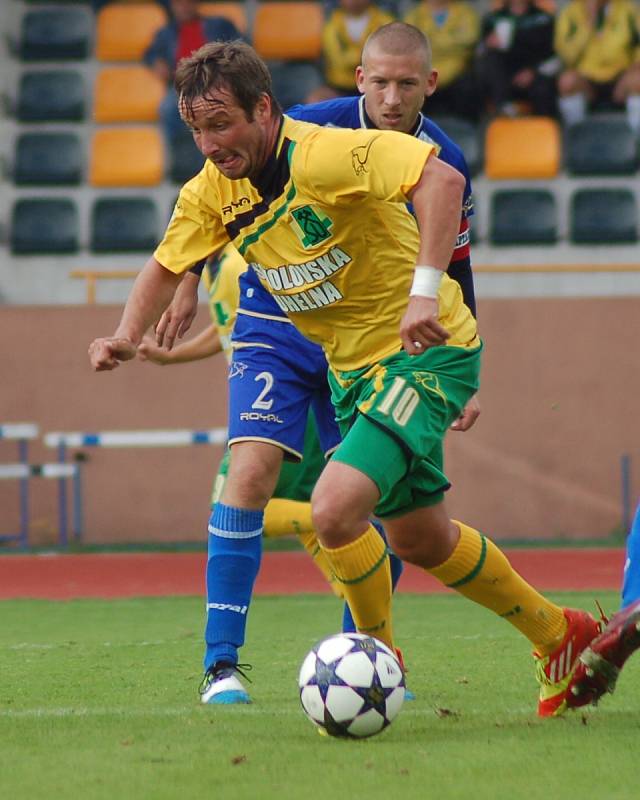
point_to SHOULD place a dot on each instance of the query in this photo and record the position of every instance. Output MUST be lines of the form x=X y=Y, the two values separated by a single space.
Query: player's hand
x=469 y=415
x=148 y=350
x=419 y=328
x=107 y=353
x=177 y=318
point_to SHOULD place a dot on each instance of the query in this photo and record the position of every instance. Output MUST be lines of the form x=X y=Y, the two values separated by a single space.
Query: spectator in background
x=453 y=27
x=597 y=41
x=517 y=61
x=343 y=38
x=187 y=31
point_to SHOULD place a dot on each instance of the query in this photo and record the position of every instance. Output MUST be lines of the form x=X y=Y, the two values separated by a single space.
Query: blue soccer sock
x=234 y=551
x=348 y=625
x=631 y=583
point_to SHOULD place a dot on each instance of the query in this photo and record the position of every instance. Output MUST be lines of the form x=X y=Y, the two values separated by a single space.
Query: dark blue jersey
x=349 y=112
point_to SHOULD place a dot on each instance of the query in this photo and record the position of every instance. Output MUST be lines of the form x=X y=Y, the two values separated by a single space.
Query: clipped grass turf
x=98 y=700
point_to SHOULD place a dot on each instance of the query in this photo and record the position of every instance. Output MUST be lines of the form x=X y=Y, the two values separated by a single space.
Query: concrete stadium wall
x=559 y=408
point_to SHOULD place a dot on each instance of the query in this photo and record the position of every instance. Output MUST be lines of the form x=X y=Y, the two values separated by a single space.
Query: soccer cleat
x=408 y=694
x=599 y=665
x=554 y=671
x=221 y=686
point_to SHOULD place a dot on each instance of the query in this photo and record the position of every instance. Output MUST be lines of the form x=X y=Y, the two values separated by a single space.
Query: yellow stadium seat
x=526 y=147
x=234 y=11
x=288 y=31
x=127 y=94
x=126 y=157
x=123 y=32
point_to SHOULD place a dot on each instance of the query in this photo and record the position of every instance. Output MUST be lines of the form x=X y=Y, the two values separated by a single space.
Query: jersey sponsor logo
x=293 y=276
x=359 y=158
x=227 y=607
x=256 y=416
x=242 y=201
x=237 y=369
x=311 y=227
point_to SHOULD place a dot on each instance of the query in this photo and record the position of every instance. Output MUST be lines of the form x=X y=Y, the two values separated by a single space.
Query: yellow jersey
x=601 y=54
x=327 y=231
x=453 y=35
x=341 y=52
x=220 y=277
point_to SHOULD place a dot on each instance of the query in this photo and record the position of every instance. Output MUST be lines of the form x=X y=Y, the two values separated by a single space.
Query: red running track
x=112 y=575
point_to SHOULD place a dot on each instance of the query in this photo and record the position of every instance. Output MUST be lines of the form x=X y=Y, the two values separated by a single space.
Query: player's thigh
x=252 y=475
x=268 y=401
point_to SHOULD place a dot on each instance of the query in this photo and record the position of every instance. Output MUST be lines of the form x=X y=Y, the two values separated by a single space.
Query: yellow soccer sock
x=312 y=546
x=480 y=571
x=287 y=517
x=362 y=570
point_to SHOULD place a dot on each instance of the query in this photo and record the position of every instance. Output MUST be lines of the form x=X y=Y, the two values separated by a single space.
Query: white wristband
x=426 y=281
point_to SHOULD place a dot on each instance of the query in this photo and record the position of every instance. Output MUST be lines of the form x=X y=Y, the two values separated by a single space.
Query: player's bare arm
x=206 y=344
x=177 y=318
x=437 y=203
x=151 y=293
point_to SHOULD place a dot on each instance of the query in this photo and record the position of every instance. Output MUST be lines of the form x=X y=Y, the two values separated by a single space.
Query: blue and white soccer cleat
x=221 y=685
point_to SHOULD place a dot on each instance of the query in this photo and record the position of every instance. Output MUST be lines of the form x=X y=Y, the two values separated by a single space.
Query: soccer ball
x=351 y=685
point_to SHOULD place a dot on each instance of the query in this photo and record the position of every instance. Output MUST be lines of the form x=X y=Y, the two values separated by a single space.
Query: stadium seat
x=603 y=216
x=601 y=146
x=124 y=224
x=523 y=217
x=123 y=32
x=288 y=31
x=48 y=158
x=40 y=226
x=236 y=12
x=186 y=159
x=126 y=157
x=522 y=148
x=54 y=33
x=52 y=96
x=127 y=94
x=466 y=135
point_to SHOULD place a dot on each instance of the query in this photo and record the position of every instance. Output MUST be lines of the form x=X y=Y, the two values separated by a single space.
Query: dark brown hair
x=234 y=66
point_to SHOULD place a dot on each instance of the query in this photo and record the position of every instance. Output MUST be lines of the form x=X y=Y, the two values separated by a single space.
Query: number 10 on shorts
x=400 y=402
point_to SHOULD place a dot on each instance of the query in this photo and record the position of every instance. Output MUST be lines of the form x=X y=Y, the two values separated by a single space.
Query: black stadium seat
x=523 y=217
x=186 y=159
x=124 y=224
x=40 y=226
x=54 y=34
x=601 y=146
x=466 y=135
x=604 y=216
x=48 y=158
x=51 y=96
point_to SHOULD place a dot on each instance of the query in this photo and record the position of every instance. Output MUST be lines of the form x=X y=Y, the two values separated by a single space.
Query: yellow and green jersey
x=220 y=277
x=326 y=229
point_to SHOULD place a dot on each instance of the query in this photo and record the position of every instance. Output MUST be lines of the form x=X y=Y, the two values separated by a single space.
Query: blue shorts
x=275 y=377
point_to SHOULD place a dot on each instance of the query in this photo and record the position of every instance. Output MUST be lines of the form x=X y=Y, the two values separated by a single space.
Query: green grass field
x=99 y=700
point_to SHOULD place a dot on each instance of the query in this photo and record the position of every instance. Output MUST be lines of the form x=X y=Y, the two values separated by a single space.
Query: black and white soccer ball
x=351 y=685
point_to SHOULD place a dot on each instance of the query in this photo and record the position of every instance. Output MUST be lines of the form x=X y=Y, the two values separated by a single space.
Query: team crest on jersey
x=359 y=158
x=311 y=227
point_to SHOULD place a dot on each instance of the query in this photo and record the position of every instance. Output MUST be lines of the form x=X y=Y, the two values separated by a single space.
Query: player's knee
x=334 y=526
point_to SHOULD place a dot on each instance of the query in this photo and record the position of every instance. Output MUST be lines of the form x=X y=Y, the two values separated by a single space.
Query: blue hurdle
x=115 y=439
x=22 y=433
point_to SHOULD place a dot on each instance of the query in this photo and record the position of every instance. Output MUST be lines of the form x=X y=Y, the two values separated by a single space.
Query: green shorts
x=394 y=416
x=297 y=478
